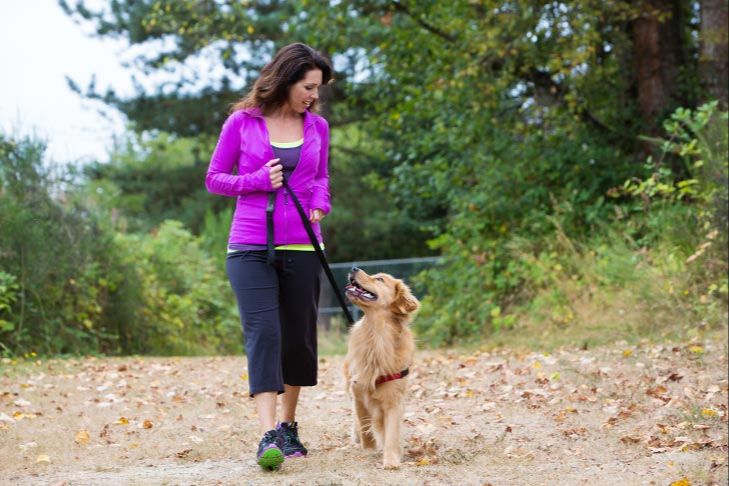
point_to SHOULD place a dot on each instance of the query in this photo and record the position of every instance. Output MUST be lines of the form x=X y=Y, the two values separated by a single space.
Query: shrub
x=659 y=243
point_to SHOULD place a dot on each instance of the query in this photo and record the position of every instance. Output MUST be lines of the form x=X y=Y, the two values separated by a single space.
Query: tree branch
x=430 y=28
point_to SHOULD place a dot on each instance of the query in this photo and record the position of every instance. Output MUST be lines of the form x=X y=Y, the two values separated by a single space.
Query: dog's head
x=380 y=291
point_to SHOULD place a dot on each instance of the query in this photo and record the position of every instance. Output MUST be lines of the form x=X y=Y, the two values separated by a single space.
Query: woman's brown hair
x=288 y=67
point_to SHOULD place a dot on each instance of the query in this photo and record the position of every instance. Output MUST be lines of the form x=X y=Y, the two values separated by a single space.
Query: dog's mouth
x=354 y=289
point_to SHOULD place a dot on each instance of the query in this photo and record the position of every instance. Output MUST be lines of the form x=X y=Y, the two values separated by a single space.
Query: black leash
x=312 y=238
x=270 y=251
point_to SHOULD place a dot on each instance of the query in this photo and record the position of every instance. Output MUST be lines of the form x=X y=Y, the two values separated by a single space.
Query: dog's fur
x=380 y=343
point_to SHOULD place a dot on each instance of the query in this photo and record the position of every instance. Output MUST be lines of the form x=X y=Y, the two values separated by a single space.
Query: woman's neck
x=284 y=113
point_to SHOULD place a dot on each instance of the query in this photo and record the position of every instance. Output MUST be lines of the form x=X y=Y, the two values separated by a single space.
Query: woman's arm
x=220 y=178
x=320 y=194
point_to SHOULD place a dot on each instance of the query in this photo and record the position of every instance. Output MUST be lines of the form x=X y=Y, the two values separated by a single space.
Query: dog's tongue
x=358 y=292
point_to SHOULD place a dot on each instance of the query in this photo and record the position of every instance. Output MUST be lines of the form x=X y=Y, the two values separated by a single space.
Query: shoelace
x=269 y=437
x=290 y=436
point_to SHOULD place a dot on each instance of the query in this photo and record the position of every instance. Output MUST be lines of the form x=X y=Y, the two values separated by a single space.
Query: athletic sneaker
x=270 y=451
x=292 y=446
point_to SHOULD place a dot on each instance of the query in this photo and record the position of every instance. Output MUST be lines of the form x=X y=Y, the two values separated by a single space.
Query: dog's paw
x=391 y=461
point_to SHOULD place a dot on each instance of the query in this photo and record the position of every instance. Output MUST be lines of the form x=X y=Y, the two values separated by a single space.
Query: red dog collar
x=395 y=376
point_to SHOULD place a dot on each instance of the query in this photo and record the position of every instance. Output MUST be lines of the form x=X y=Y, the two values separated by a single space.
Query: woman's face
x=305 y=92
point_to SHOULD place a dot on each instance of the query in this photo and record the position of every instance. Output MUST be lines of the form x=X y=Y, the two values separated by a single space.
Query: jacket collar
x=257 y=113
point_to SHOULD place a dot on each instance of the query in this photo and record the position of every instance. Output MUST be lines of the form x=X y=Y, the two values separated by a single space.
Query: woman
x=271 y=134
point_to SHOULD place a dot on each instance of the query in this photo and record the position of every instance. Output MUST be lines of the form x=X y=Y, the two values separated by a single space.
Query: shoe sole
x=271 y=459
x=296 y=454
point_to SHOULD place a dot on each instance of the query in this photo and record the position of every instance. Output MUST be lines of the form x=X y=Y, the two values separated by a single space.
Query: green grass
x=333 y=341
x=608 y=288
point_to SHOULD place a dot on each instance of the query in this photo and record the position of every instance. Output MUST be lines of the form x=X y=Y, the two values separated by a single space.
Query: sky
x=39 y=46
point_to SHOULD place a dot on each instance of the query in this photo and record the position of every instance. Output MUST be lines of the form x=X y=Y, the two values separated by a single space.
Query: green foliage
x=216 y=229
x=57 y=254
x=186 y=106
x=608 y=286
x=71 y=281
x=8 y=296
x=366 y=222
x=152 y=177
x=447 y=93
x=181 y=304
x=694 y=136
x=543 y=265
x=504 y=131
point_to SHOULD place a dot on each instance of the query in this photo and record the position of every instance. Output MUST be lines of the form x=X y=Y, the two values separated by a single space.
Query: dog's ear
x=405 y=302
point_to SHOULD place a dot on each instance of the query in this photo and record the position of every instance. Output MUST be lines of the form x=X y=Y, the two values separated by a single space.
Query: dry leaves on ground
x=651 y=414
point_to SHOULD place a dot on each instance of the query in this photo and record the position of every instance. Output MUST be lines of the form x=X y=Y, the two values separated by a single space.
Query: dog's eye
x=380 y=279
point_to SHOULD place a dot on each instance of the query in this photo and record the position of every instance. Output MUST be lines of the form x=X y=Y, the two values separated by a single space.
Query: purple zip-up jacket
x=244 y=145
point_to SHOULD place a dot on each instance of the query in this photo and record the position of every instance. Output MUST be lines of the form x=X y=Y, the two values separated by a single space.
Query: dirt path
x=654 y=414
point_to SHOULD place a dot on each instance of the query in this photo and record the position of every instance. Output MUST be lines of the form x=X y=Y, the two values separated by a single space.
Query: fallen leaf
x=681 y=482
x=82 y=437
x=29 y=445
x=122 y=421
x=630 y=439
x=147 y=424
x=576 y=432
x=184 y=453
x=43 y=459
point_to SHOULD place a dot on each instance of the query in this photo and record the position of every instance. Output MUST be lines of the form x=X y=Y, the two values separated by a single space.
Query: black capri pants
x=278 y=309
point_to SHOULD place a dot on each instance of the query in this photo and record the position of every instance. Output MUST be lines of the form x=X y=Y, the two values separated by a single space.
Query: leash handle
x=270 y=249
x=319 y=252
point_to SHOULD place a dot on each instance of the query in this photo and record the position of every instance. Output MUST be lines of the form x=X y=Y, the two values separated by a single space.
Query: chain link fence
x=330 y=314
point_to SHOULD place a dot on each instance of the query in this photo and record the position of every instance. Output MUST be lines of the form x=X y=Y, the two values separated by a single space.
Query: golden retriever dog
x=379 y=355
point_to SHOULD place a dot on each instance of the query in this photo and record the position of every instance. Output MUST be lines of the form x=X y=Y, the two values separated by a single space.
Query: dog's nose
x=355 y=269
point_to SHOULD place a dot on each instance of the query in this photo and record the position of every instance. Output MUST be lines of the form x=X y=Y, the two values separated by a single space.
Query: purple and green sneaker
x=270 y=451
x=292 y=446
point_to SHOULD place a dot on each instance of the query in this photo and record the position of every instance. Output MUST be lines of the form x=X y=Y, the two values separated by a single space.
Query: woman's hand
x=276 y=173
x=316 y=215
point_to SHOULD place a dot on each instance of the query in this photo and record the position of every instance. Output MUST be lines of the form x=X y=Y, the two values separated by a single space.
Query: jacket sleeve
x=320 y=195
x=220 y=178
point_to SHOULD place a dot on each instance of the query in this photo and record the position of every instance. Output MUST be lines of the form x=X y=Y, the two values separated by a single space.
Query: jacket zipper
x=286 y=218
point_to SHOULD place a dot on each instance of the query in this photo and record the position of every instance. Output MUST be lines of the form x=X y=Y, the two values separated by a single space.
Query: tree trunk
x=658 y=52
x=714 y=60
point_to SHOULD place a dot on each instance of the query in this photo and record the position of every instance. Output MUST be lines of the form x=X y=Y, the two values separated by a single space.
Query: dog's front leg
x=391 y=449
x=363 y=425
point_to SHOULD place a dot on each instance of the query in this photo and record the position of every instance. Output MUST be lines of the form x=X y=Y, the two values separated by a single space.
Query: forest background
x=568 y=160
